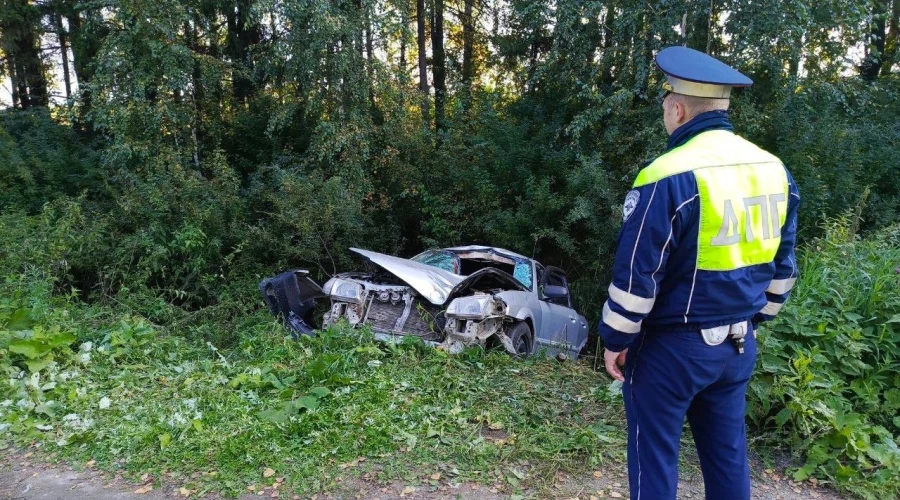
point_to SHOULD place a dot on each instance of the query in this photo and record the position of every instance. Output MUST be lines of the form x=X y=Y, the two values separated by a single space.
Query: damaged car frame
x=451 y=298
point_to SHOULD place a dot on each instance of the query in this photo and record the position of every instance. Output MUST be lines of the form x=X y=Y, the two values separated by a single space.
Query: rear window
x=440 y=259
x=520 y=269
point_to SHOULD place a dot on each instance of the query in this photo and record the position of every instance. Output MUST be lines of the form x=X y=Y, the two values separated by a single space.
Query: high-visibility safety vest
x=740 y=222
x=708 y=239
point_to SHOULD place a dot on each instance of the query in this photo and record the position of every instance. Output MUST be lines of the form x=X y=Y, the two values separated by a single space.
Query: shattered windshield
x=440 y=259
x=522 y=272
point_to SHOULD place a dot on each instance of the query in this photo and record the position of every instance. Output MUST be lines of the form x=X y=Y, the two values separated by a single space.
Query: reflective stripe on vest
x=743 y=197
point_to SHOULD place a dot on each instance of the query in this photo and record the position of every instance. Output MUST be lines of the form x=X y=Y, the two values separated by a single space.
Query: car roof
x=475 y=248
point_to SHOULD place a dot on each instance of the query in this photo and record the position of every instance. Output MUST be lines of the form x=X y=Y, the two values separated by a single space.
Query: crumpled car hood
x=432 y=283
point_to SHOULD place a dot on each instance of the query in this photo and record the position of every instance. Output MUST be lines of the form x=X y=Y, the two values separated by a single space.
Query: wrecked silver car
x=451 y=298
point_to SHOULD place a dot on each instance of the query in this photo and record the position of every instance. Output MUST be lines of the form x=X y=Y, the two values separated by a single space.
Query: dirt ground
x=22 y=477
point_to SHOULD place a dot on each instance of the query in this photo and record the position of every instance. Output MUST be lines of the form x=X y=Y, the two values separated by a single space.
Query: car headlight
x=346 y=290
x=478 y=307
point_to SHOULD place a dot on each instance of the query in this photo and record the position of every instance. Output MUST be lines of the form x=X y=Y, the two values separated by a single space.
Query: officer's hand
x=613 y=360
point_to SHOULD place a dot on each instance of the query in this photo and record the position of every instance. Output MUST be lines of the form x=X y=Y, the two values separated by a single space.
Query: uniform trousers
x=670 y=375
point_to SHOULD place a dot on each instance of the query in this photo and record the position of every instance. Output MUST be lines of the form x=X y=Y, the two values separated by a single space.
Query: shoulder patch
x=631 y=202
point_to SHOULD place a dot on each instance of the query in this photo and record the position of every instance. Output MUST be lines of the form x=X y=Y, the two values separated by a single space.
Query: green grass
x=147 y=401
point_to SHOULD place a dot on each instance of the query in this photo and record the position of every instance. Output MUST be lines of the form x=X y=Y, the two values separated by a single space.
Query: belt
x=689 y=327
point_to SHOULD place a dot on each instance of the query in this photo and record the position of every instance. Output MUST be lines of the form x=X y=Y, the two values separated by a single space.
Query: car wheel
x=520 y=335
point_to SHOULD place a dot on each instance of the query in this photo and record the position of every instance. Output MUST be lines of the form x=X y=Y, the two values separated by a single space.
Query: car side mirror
x=555 y=292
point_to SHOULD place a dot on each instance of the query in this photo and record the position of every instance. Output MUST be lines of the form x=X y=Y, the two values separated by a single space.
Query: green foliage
x=828 y=370
x=230 y=138
x=41 y=160
x=35 y=342
x=175 y=230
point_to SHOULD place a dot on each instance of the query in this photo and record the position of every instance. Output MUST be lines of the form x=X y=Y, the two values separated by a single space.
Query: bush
x=829 y=368
x=41 y=160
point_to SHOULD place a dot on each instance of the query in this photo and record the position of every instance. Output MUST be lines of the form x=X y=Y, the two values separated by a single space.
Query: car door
x=560 y=325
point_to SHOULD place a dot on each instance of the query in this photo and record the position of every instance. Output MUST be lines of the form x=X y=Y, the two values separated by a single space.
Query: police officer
x=706 y=252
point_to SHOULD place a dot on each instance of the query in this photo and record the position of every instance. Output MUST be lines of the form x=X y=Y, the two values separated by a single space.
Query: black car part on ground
x=291 y=296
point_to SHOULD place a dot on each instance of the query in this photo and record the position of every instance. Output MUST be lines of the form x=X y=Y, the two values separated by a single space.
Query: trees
x=423 y=65
x=540 y=115
x=439 y=65
x=20 y=33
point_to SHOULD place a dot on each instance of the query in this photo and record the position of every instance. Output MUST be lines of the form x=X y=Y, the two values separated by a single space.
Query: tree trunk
x=85 y=46
x=197 y=94
x=197 y=90
x=370 y=49
x=871 y=65
x=83 y=51
x=643 y=56
x=21 y=85
x=242 y=36
x=423 y=67
x=376 y=114
x=892 y=41
x=64 y=48
x=15 y=98
x=439 y=64
x=20 y=37
x=35 y=79
x=607 y=76
x=78 y=65
x=468 y=67
x=360 y=34
x=13 y=83
x=405 y=14
x=532 y=62
x=697 y=24
x=402 y=61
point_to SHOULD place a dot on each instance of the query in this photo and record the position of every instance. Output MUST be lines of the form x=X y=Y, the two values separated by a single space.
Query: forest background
x=157 y=158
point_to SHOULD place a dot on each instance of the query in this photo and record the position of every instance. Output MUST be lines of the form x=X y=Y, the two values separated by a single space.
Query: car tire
x=522 y=339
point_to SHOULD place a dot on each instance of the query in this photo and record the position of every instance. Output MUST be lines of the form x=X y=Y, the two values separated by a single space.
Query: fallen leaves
x=268 y=472
x=144 y=489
